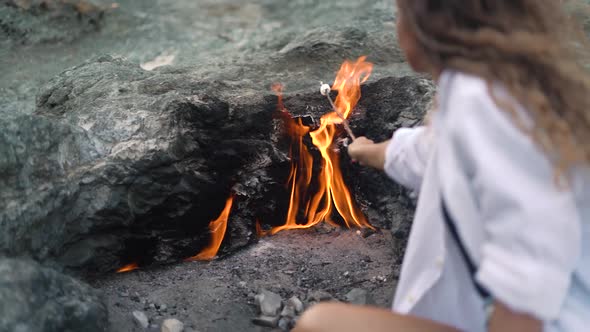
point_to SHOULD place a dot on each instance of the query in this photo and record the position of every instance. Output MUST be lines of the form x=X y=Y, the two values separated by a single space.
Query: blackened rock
x=39 y=299
x=121 y=165
x=266 y=321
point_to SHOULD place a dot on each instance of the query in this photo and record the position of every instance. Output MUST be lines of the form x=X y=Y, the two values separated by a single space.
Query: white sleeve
x=406 y=156
x=532 y=227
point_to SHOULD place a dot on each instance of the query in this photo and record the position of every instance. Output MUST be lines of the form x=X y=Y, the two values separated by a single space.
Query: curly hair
x=533 y=47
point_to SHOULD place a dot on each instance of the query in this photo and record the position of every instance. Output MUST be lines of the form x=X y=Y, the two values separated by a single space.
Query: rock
x=135 y=297
x=163 y=307
x=36 y=298
x=172 y=325
x=142 y=152
x=319 y=296
x=357 y=296
x=296 y=303
x=267 y=321
x=141 y=319
x=269 y=303
x=285 y=324
x=288 y=311
x=45 y=21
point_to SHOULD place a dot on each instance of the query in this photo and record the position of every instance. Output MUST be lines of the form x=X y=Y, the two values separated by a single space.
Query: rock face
x=42 y=300
x=118 y=163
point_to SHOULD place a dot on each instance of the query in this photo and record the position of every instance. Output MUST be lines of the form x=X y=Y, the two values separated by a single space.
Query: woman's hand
x=366 y=152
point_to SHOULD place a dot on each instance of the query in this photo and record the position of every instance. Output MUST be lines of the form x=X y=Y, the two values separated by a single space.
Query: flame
x=217 y=228
x=128 y=267
x=332 y=191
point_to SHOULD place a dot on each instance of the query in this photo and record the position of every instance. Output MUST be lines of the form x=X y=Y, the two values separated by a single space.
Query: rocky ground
x=314 y=265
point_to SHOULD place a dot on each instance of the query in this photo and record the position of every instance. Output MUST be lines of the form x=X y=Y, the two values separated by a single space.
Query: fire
x=331 y=190
x=128 y=267
x=217 y=228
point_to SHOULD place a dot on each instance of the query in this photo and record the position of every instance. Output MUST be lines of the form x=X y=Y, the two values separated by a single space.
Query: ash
x=323 y=264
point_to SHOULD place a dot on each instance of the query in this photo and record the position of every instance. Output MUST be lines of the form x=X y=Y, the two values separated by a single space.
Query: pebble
x=269 y=303
x=285 y=324
x=267 y=321
x=135 y=297
x=163 y=307
x=172 y=325
x=319 y=296
x=141 y=319
x=296 y=303
x=288 y=311
x=357 y=296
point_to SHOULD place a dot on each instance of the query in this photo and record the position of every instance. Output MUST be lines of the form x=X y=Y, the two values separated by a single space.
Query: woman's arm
x=367 y=153
x=403 y=158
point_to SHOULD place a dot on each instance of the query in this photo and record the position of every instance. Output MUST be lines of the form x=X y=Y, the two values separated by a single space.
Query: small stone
x=288 y=311
x=172 y=325
x=141 y=319
x=346 y=274
x=296 y=303
x=357 y=296
x=242 y=284
x=285 y=324
x=319 y=296
x=269 y=303
x=135 y=297
x=163 y=307
x=152 y=306
x=268 y=321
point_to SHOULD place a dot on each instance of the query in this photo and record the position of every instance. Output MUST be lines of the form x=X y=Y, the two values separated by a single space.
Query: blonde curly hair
x=533 y=47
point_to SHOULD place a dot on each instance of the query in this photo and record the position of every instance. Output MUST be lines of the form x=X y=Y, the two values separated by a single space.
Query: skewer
x=325 y=90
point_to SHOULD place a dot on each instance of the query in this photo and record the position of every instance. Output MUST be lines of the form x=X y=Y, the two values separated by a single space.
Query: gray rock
x=141 y=319
x=267 y=321
x=39 y=299
x=296 y=303
x=172 y=325
x=319 y=296
x=357 y=296
x=269 y=303
x=285 y=324
x=288 y=311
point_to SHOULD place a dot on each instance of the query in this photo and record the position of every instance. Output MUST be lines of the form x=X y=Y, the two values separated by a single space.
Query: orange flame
x=332 y=191
x=128 y=267
x=217 y=228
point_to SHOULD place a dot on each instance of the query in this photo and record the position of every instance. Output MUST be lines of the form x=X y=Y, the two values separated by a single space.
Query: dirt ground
x=219 y=295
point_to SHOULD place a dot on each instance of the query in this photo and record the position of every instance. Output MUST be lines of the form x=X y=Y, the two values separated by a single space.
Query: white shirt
x=529 y=238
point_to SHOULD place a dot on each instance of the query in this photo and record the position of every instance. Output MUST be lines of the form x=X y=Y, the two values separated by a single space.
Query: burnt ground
x=219 y=295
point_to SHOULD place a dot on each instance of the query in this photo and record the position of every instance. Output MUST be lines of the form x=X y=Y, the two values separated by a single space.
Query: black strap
x=470 y=265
